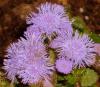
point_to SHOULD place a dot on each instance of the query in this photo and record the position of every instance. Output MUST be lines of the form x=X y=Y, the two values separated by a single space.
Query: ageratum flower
x=64 y=66
x=50 y=18
x=78 y=48
x=28 y=60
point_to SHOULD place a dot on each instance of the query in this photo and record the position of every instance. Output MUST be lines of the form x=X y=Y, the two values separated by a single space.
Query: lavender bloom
x=50 y=18
x=79 y=49
x=28 y=60
x=35 y=72
x=63 y=65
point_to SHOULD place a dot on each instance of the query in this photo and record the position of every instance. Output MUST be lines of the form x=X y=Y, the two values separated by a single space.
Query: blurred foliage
x=85 y=76
x=68 y=11
x=95 y=37
x=79 y=24
x=75 y=76
x=89 y=78
x=63 y=82
x=71 y=79
x=3 y=81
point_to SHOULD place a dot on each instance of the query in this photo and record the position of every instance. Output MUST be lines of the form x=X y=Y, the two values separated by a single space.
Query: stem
x=52 y=60
x=77 y=84
x=12 y=84
x=36 y=85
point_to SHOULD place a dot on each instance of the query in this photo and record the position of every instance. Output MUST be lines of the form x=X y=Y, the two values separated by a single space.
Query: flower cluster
x=28 y=58
x=50 y=18
x=79 y=49
x=64 y=66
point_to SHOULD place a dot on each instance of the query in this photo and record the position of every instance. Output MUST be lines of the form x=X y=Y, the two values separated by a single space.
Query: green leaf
x=60 y=78
x=71 y=79
x=95 y=37
x=78 y=72
x=89 y=78
x=3 y=81
x=58 y=85
x=69 y=85
x=79 y=24
x=75 y=76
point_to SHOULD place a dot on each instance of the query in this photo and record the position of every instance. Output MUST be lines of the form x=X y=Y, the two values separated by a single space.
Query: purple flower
x=50 y=18
x=35 y=72
x=78 y=48
x=64 y=66
x=28 y=59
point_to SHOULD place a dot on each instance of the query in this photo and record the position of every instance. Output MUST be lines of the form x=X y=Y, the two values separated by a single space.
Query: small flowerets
x=28 y=60
x=64 y=66
x=50 y=18
x=79 y=49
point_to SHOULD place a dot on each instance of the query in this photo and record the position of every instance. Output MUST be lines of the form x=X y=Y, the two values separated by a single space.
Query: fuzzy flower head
x=50 y=18
x=64 y=66
x=79 y=49
x=28 y=60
